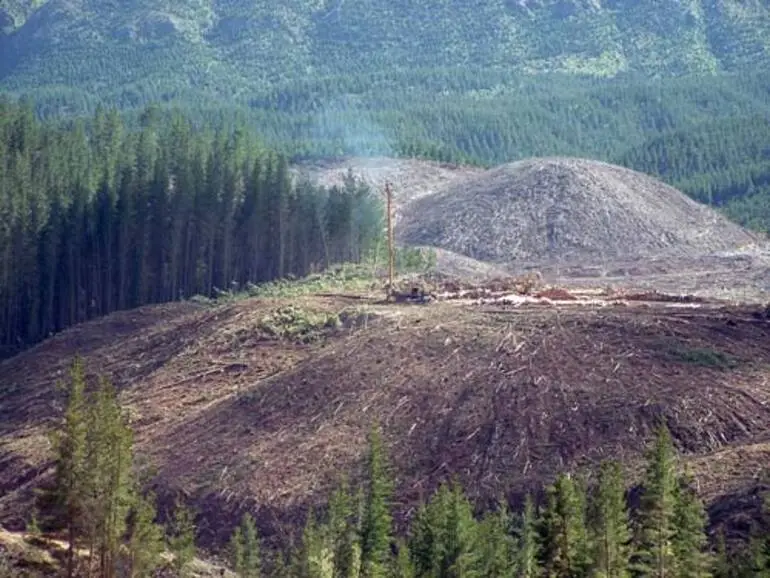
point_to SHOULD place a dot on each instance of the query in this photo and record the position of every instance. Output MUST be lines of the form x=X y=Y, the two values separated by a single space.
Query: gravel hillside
x=569 y=211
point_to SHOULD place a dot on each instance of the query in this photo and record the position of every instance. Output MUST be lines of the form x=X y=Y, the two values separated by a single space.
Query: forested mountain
x=228 y=47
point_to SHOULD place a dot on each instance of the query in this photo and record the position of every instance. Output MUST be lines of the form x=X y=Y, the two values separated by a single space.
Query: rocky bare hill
x=568 y=211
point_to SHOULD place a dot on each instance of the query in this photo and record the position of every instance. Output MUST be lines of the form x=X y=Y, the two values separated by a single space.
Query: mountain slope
x=246 y=43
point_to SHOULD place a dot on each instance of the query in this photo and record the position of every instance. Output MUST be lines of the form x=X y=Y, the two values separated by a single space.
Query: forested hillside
x=104 y=218
x=231 y=48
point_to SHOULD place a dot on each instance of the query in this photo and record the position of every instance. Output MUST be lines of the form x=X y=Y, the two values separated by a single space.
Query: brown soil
x=567 y=211
x=503 y=396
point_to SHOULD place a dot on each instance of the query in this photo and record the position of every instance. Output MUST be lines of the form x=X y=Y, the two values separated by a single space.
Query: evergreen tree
x=528 y=547
x=494 y=554
x=314 y=558
x=654 y=554
x=754 y=562
x=343 y=534
x=376 y=528
x=245 y=549
x=422 y=546
x=70 y=444
x=722 y=566
x=444 y=535
x=565 y=542
x=610 y=527
x=109 y=484
x=690 y=540
x=237 y=550
x=403 y=567
x=181 y=537
x=145 y=537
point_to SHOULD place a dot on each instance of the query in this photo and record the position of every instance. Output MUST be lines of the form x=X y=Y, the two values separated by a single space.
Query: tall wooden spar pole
x=391 y=256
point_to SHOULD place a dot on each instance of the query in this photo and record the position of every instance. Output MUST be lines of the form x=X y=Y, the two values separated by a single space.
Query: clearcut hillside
x=235 y=406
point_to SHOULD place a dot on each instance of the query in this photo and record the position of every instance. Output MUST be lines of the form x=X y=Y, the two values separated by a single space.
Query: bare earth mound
x=504 y=396
x=566 y=210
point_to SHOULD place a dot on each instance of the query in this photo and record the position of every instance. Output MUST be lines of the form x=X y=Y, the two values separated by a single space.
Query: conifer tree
x=527 y=543
x=565 y=543
x=654 y=554
x=755 y=558
x=314 y=558
x=376 y=528
x=145 y=537
x=422 y=545
x=181 y=537
x=236 y=550
x=494 y=554
x=343 y=534
x=70 y=444
x=459 y=534
x=444 y=535
x=109 y=482
x=610 y=527
x=690 y=540
x=245 y=549
x=722 y=567
x=403 y=567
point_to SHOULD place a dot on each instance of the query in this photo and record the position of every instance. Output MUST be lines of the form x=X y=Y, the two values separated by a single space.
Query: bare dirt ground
x=500 y=389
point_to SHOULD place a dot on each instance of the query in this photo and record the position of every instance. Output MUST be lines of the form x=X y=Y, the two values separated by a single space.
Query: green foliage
x=376 y=531
x=527 y=542
x=95 y=491
x=340 y=278
x=298 y=324
x=234 y=49
x=655 y=554
x=690 y=540
x=565 y=536
x=314 y=558
x=145 y=537
x=180 y=537
x=444 y=535
x=109 y=482
x=403 y=565
x=152 y=215
x=610 y=525
x=70 y=473
x=245 y=551
x=344 y=534
x=703 y=357
x=494 y=551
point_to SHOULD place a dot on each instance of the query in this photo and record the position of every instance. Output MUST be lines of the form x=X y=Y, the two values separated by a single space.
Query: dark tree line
x=95 y=217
